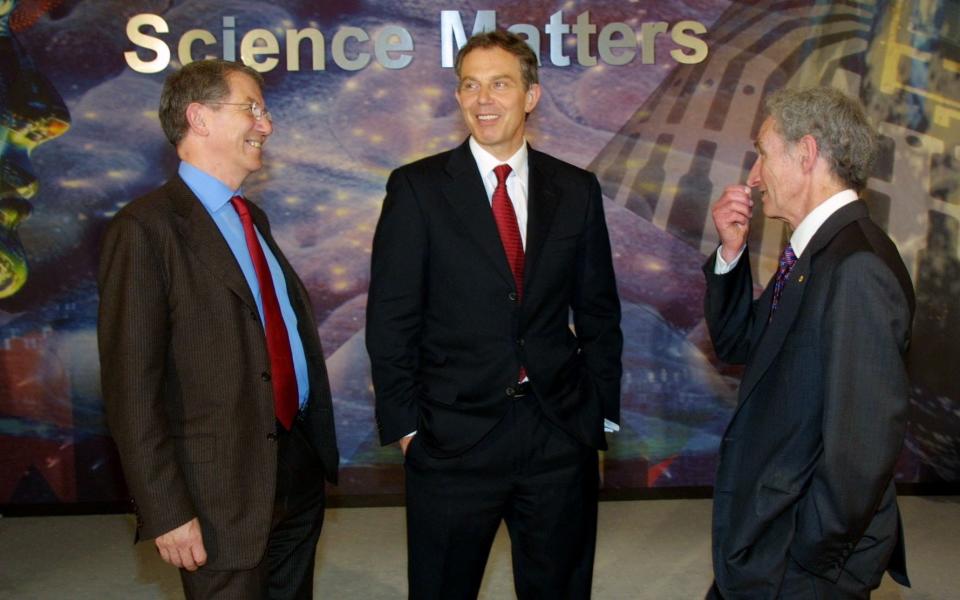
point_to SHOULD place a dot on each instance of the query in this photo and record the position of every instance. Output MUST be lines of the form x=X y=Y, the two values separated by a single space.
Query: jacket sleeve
x=730 y=310
x=395 y=308
x=596 y=308
x=133 y=337
x=866 y=328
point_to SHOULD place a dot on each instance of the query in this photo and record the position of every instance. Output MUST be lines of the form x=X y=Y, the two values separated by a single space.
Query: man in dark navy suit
x=480 y=256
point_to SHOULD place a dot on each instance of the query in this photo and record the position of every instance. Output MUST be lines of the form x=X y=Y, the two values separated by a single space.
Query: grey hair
x=837 y=122
x=200 y=81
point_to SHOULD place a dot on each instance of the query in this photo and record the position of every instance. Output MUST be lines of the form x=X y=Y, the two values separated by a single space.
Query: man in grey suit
x=213 y=377
x=804 y=502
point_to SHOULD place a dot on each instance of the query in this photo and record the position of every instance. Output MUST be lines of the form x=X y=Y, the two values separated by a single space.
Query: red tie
x=506 y=220
x=507 y=226
x=283 y=377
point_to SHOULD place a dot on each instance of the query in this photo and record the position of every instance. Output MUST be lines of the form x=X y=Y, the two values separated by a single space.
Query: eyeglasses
x=255 y=109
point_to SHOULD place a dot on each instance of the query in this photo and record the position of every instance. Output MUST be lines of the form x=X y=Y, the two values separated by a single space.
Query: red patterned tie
x=507 y=226
x=506 y=220
x=283 y=377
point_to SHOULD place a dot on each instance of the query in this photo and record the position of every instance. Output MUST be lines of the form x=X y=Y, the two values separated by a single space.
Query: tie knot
x=240 y=205
x=502 y=172
x=788 y=257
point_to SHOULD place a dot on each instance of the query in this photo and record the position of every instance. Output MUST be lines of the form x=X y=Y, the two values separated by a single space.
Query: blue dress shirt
x=215 y=197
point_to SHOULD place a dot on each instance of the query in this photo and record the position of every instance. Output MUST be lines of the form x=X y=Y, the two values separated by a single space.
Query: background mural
x=660 y=101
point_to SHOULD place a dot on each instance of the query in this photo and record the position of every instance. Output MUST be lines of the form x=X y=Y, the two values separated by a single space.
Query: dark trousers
x=799 y=584
x=286 y=570
x=527 y=472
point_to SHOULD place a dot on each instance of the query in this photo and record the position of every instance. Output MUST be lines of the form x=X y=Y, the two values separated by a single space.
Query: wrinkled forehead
x=768 y=135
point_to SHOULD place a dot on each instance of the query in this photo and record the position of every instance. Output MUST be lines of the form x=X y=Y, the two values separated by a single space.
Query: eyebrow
x=491 y=78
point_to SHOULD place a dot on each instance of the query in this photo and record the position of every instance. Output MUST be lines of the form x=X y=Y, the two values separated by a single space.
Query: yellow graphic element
x=895 y=51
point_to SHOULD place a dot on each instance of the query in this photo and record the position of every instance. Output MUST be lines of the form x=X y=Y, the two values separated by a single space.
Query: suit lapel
x=465 y=192
x=206 y=241
x=542 y=201
x=775 y=333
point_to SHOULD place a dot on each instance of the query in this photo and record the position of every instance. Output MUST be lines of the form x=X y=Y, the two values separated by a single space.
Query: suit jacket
x=185 y=375
x=446 y=329
x=807 y=461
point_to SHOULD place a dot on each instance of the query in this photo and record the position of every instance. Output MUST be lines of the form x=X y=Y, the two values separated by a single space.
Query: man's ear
x=531 y=97
x=196 y=118
x=809 y=152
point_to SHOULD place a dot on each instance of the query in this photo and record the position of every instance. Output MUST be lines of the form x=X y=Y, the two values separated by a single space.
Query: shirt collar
x=817 y=217
x=212 y=192
x=486 y=162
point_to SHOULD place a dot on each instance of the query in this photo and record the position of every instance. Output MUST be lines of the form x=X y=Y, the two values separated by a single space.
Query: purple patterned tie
x=787 y=260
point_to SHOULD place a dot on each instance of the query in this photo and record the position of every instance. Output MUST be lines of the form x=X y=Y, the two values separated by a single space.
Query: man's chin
x=254 y=165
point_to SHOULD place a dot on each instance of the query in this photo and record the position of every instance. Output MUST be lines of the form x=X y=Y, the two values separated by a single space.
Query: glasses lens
x=259 y=112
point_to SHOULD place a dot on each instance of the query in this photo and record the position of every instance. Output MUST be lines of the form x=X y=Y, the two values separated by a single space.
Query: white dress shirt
x=803 y=233
x=517 y=180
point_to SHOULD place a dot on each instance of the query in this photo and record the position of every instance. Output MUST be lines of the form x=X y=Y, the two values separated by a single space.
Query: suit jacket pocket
x=196 y=449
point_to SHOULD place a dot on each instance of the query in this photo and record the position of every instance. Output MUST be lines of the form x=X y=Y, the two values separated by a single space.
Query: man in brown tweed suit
x=233 y=496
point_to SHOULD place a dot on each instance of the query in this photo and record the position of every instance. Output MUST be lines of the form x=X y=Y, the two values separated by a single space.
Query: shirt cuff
x=722 y=267
x=610 y=427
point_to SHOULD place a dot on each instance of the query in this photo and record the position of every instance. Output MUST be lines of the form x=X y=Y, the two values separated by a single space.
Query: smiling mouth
x=487 y=117
x=255 y=144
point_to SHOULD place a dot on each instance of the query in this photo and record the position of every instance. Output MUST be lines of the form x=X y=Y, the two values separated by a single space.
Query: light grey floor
x=649 y=549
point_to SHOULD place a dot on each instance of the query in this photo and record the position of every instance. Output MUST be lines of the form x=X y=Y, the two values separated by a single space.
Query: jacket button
x=511 y=392
x=265 y=376
x=520 y=342
x=272 y=436
x=254 y=315
x=512 y=296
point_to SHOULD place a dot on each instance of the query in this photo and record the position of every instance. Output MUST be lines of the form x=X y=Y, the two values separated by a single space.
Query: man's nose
x=483 y=95
x=753 y=178
x=264 y=125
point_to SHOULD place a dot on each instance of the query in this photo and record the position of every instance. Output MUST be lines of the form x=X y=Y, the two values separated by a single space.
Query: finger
x=174 y=558
x=199 y=554
x=738 y=207
x=736 y=199
x=186 y=559
x=740 y=217
x=164 y=554
x=739 y=191
x=731 y=217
